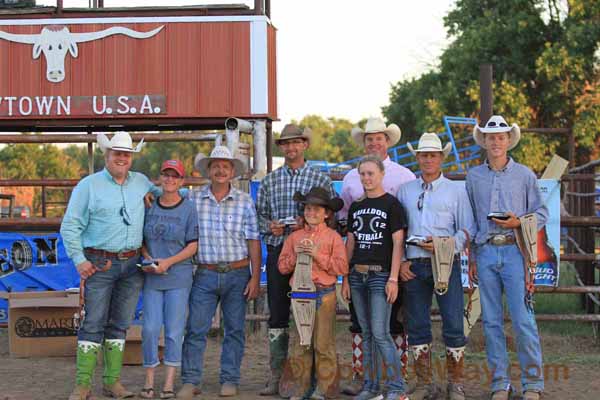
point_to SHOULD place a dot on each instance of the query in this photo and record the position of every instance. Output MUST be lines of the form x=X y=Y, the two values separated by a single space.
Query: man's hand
x=346 y=289
x=428 y=245
x=86 y=269
x=276 y=228
x=405 y=273
x=473 y=272
x=148 y=200
x=252 y=288
x=163 y=266
x=511 y=223
x=299 y=223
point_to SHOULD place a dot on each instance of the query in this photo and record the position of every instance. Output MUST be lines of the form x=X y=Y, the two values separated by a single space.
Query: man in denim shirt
x=435 y=206
x=102 y=232
x=501 y=185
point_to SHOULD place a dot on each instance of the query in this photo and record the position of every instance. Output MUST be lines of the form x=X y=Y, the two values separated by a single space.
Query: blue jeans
x=500 y=269
x=110 y=299
x=166 y=307
x=209 y=288
x=419 y=291
x=373 y=313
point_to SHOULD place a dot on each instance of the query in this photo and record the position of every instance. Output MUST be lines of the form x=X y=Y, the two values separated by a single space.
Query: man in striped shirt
x=275 y=204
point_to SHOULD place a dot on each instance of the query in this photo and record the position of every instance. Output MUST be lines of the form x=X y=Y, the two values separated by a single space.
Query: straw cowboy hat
x=221 y=153
x=319 y=196
x=497 y=124
x=121 y=141
x=376 y=125
x=291 y=131
x=430 y=142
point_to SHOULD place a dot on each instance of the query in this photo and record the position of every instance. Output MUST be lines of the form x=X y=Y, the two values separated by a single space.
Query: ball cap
x=175 y=165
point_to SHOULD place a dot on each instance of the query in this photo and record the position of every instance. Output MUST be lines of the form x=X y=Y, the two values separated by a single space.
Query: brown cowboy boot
x=354 y=386
x=425 y=389
x=113 y=362
x=87 y=354
x=455 y=362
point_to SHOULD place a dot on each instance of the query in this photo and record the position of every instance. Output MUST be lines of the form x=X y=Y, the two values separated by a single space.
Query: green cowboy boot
x=113 y=361
x=278 y=349
x=87 y=355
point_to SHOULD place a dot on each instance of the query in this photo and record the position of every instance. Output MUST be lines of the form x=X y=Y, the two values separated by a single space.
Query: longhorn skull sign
x=55 y=40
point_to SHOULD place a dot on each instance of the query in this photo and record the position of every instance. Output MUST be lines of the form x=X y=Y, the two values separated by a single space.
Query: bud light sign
x=548 y=241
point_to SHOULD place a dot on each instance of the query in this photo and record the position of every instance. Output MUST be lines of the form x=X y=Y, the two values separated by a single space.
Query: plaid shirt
x=275 y=197
x=225 y=226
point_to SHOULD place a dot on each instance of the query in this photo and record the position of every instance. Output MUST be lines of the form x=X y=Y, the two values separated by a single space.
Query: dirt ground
x=573 y=370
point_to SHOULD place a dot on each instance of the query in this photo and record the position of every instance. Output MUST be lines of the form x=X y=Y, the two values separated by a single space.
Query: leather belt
x=324 y=287
x=224 y=267
x=122 y=255
x=427 y=260
x=501 y=240
x=366 y=268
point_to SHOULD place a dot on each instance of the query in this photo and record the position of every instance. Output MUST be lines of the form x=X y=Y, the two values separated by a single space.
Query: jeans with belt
x=500 y=269
x=419 y=292
x=373 y=313
x=210 y=288
x=110 y=298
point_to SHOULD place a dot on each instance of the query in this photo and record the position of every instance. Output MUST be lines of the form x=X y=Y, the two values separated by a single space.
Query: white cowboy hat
x=497 y=124
x=121 y=141
x=430 y=142
x=376 y=125
x=221 y=153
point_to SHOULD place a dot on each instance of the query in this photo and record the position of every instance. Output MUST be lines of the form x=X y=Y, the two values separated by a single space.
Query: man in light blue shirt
x=436 y=207
x=510 y=189
x=102 y=232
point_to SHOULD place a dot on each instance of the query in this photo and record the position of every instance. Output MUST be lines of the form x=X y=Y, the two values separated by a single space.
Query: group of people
x=120 y=248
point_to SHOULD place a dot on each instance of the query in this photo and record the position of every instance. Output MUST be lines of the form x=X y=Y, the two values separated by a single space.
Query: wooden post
x=486 y=95
x=259 y=7
x=269 y=146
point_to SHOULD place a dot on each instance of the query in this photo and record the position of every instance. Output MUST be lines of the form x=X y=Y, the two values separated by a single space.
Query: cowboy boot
x=425 y=389
x=354 y=386
x=113 y=362
x=455 y=362
x=87 y=355
x=401 y=342
x=278 y=349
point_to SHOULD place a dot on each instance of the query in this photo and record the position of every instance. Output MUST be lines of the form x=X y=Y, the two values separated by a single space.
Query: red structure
x=154 y=67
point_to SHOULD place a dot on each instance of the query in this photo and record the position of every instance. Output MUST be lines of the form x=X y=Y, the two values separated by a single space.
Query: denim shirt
x=105 y=215
x=513 y=188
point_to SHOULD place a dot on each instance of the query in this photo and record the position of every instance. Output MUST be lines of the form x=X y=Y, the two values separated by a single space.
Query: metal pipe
x=259 y=7
x=260 y=149
x=72 y=182
x=240 y=124
x=90 y=150
x=85 y=138
x=486 y=95
x=269 y=146
x=579 y=221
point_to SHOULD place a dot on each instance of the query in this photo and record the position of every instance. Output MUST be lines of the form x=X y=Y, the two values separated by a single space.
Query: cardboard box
x=133 y=346
x=41 y=324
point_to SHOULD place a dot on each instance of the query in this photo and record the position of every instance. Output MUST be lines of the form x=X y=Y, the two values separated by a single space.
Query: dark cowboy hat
x=319 y=196
x=291 y=131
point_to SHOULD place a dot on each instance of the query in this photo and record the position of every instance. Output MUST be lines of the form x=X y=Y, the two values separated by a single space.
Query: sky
x=339 y=58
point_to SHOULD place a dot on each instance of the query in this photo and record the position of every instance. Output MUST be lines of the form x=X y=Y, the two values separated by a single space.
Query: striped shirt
x=105 y=215
x=224 y=226
x=513 y=188
x=275 y=197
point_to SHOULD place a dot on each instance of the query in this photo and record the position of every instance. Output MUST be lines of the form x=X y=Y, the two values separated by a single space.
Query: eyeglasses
x=420 y=201
x=125 y=216
x=167 y=176
x=492 y=124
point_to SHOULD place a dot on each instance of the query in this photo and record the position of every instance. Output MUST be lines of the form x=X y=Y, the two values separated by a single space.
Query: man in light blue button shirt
x=437 y=207
x=503 y=186
x=102 y=232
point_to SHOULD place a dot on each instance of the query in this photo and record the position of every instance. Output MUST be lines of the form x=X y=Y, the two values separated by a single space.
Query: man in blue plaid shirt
x=228 y=242
x=278 y=216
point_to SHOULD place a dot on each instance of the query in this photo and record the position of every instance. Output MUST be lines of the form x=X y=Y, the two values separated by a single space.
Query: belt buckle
x=223 y=267
x=375 y=268
x=499 y=240
x=121 y=255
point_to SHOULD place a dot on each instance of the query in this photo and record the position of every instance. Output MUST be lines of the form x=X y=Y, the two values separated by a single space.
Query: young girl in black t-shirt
x=374 y=243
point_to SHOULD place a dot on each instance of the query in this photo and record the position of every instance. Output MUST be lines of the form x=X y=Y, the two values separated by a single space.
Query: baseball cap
x=175 y=165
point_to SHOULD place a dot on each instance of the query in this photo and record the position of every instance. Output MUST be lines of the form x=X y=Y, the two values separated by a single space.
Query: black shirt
x=372 y=221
